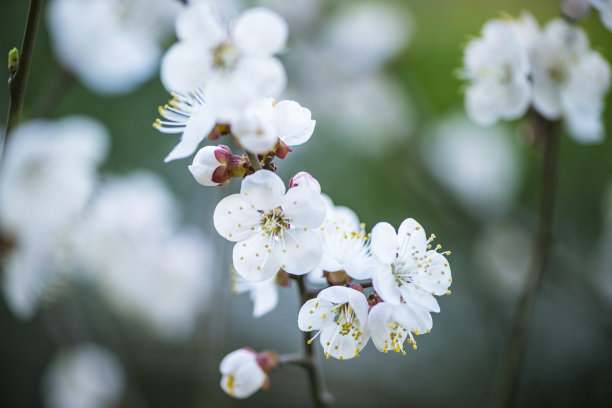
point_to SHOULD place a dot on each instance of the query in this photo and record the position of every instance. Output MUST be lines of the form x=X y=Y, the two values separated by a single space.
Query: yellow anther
x=323 y=316
x=309 y=341
x=448 y=292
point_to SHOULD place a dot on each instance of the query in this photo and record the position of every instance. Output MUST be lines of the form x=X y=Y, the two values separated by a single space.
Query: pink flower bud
x=267 y=360
x=305 y=179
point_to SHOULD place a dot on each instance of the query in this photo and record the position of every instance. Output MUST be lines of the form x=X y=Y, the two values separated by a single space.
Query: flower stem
x=547 y=134
x=18 y=80
x=320 y=396
x=254 y=161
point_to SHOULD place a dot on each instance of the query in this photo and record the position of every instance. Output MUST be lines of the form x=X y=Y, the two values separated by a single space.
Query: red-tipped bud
x=305 y=179
x=216 y=165
x=357 y=287
x=281 y=149
x=374 y=299
x=267 y=360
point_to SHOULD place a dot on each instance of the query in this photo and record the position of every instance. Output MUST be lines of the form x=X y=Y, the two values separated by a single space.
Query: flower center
x=274 y=223
x=230 y=384
x=226 y=56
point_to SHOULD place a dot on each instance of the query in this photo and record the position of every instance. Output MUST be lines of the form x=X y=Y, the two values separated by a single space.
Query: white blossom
x=232 y=66
x=47 y=175
x=497 y=67
x=570 y=80
x=111 y=45
x=409 y=271
x=272 y=229
x=605 y=11
x=391 y=325
x=339 y=314
x=264 y=122
x=132 y=250
x=345 y=244
x=83 y=376
x=241 y=375
x=264 y=294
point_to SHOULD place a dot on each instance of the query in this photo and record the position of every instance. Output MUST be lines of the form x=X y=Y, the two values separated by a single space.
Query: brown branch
x=547 y=135
x=18 y=80
x=320 y=397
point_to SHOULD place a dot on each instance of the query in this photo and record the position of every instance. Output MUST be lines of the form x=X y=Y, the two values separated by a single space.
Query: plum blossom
x=264 y=294
x=131 y=249
x=232 y=66
x=241 y=374
x=409 y=271
x=265 y=122
x=47 y=175
x=605 y=11
x=391 y=325
x=339 y=314
x=570 y=80
x=345 y=244
x=216 y=165
x=497 y=67
x=83 y=376
x=111 y=45
x=272 y=229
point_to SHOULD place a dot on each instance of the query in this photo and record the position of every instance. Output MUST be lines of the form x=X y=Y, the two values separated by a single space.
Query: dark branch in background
x=18 y=79
x=546 y=135
x=321 y=398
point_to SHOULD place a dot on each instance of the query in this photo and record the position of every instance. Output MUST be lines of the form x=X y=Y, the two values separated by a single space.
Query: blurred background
x=392 y=141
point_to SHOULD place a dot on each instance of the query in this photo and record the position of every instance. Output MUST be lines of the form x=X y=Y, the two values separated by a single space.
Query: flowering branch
x=254 y=161
x=547 y=136
x=320 y=396
x=18 y=79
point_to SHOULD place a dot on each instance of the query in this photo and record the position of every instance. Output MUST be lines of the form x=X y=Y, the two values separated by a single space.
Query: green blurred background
x=568 y=359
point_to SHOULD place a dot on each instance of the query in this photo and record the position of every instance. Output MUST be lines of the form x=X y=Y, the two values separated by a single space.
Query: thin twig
x=547 y=133
x=254 y=161
x=314 y=378
x=18 y=81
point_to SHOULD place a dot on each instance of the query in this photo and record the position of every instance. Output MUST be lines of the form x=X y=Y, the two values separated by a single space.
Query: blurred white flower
x=362 y=36
x=391 y=325
x=570 y=80
x=503 y=253
x=132 y=250
x=272 y=229
x=47 y=175
x=605 y=11
x=233 y=66
x=241 y=375
x=83 y=376
x=296 y=12
x=339 y=314
x=264 y=294
x=481 y=166
x=409 y=272
x=111 y=45
x=497 y=67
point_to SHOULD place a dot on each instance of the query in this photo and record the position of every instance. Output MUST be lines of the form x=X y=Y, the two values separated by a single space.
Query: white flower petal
x=260 y=31
x=383 y=243
x=302 y=251
x=263 y=189
x=234 y=360
x=264 y=296
x=412 y=239
x=198 y=127
x=256 y=259
x=385 y=285
x=437 y=278
x=198 y=22
x=294 y=123
x=377 y=324
x=304 y=207
x=314 y=314
x=235 y=219
x=419 y=299
x=185 y=67
x=260 y=76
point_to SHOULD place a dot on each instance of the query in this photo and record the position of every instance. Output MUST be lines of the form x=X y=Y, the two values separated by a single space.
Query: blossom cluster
x=516 y=65
x=59 y=225
x=223 y=80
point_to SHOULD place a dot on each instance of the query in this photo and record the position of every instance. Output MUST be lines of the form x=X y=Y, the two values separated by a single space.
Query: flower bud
x=267 y=360
x=242 y=376
x=575 y=9
x=216 y=165
x=337 y=278
x=305 y=179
